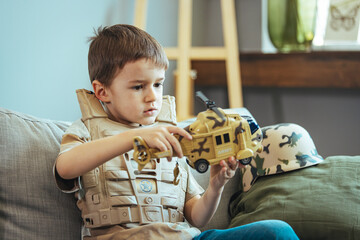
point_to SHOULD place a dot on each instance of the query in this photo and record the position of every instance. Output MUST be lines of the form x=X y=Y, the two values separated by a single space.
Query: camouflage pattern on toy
x=286 y=147
x=215 y=136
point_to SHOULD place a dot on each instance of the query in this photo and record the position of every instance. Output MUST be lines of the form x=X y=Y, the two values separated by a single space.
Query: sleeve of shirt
x=75 y=135
x=193 y=187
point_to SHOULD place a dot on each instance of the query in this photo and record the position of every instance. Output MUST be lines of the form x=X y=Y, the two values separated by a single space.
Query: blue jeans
x=267 y=229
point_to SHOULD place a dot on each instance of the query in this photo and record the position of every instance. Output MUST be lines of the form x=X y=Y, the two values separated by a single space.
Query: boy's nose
x=150 y=95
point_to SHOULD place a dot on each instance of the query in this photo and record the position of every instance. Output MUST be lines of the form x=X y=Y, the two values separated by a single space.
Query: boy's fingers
x=223 y=163
x=180 y=131
x=175 y=145
x=241 y=166
x=174 y=141
x=185 y=134
x=228 y=167
x=225 y=173
x=162 y=145
x=233 y=164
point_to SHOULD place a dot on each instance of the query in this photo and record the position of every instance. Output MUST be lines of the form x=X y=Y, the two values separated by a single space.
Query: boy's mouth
x=150 y=111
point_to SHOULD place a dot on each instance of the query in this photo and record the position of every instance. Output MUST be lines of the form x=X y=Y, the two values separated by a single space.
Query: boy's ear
x=100 y=91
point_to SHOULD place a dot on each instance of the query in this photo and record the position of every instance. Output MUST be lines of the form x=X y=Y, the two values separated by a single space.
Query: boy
x=127 y=70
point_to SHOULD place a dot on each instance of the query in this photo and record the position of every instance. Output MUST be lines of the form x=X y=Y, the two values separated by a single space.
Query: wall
x=43 y=59
x=43 y=49
x=44 y=53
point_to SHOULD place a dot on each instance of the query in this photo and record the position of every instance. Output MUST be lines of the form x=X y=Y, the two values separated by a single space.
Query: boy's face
x=135 y=94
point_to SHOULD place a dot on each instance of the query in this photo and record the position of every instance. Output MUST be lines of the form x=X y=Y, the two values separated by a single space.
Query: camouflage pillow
x=286 y=147
x=319 y=202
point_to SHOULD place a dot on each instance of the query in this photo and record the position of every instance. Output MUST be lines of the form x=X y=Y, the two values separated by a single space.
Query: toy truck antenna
x=209 y=104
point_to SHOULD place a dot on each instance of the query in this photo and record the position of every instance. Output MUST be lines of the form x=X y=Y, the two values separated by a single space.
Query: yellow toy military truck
x=216 y=134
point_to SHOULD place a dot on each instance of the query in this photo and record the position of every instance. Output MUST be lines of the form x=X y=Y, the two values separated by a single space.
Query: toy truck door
x=223 y=145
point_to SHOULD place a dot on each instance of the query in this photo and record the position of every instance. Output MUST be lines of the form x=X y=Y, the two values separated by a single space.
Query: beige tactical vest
x=116 y=192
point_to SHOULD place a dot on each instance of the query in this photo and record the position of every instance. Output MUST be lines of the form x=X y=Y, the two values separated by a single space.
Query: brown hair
x=112 y=47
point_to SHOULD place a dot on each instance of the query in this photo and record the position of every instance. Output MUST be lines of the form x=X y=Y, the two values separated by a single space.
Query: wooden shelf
x=307 y=70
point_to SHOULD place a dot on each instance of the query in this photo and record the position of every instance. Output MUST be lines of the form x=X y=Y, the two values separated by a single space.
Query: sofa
x=321 y=201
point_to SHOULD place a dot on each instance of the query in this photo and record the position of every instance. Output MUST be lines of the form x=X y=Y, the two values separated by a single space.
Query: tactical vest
x=116 y=192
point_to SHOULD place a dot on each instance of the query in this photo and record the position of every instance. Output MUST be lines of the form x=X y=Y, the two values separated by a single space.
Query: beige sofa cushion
x=31 y=205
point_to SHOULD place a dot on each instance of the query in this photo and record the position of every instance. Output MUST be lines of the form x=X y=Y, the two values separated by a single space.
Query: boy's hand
x=220 y=174
x=200 y=209
x=163 y=138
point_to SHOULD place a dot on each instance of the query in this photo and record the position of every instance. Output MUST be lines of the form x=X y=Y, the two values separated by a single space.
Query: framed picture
x=338 y=25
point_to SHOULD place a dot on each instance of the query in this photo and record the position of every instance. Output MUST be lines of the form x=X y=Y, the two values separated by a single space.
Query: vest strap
x=90 y=106
x=143 y=215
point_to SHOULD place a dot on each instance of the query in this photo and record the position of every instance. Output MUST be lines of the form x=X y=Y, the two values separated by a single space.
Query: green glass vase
x=291 y=24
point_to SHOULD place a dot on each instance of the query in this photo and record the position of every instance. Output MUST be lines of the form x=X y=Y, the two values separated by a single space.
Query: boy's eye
x=159 y=84
x=137 y=87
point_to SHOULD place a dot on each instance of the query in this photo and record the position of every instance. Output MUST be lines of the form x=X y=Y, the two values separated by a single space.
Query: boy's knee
x=266 y=229
x=277 y=229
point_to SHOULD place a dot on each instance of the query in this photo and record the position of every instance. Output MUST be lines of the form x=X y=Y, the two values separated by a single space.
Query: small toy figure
x=216 y=134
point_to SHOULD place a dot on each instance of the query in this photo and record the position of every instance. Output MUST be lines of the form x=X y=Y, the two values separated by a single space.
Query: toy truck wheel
x=201 y=165
x=246 y=161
